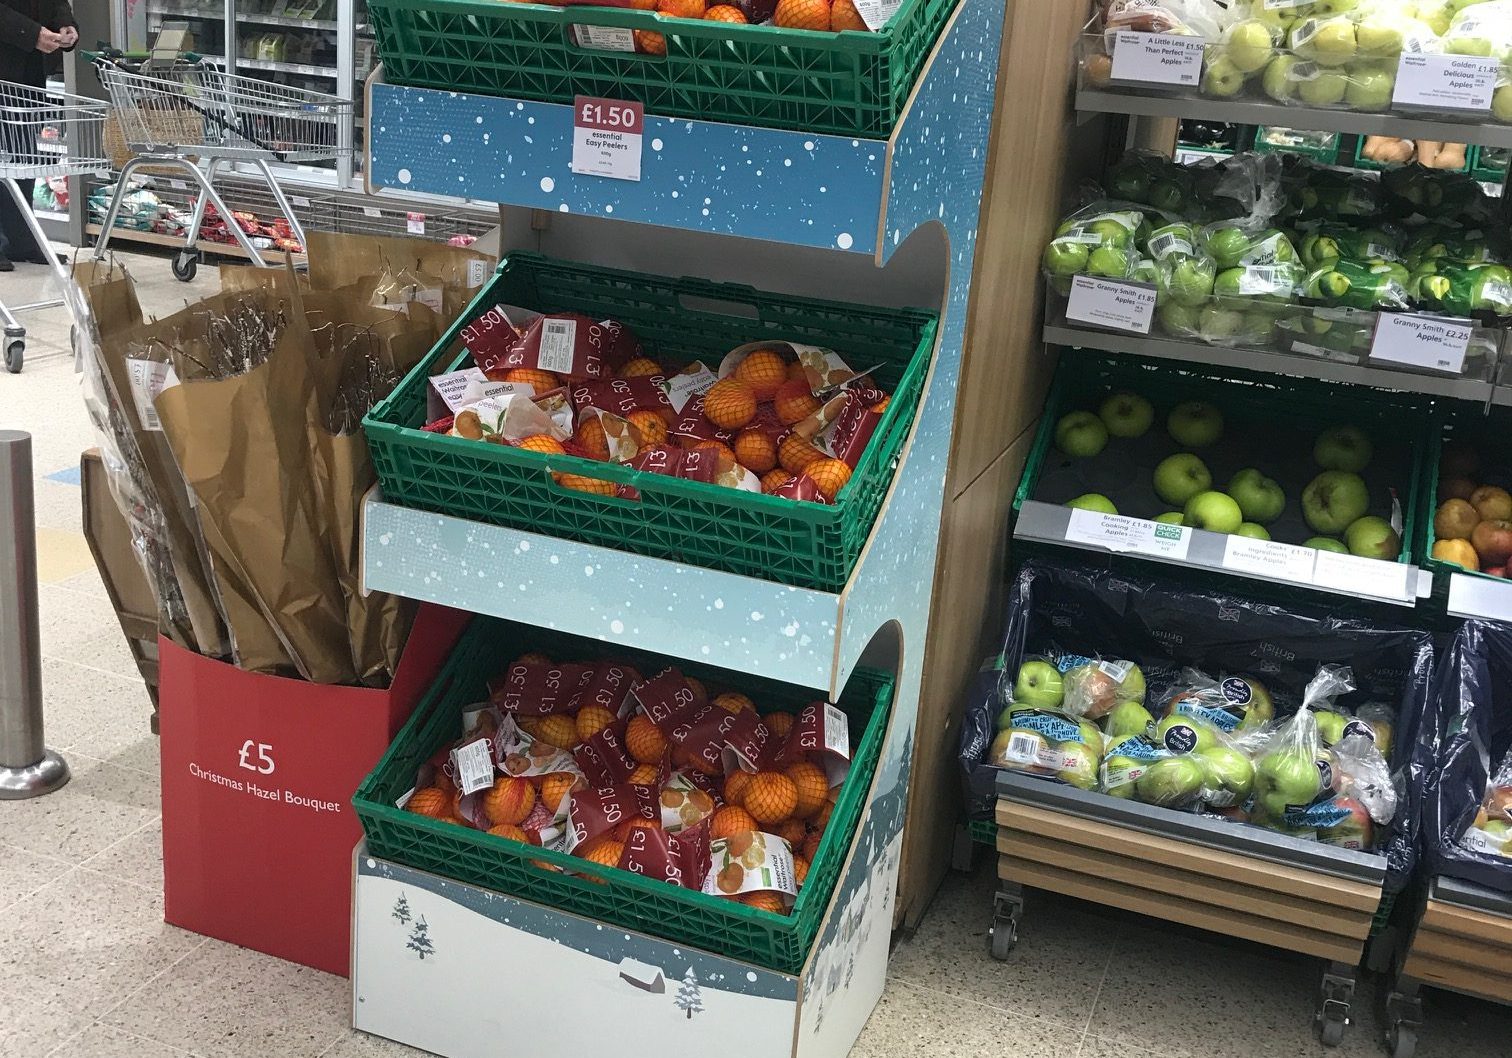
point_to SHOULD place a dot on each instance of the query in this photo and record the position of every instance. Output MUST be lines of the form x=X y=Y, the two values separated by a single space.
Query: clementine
x=730 y=404
x=509 y=801
x=731 y=820
x=644 y=741
x=813 y=788
x=770 y=797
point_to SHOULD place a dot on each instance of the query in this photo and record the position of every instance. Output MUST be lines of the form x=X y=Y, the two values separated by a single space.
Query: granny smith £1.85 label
x=1268 y=558
x=1157 y=58
x=1108 y=303
x=1363 y=576
x=1117 y=532
x=1421 y=341
x=1445 y=82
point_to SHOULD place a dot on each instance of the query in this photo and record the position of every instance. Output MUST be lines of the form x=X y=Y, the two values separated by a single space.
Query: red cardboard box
x=258 y=777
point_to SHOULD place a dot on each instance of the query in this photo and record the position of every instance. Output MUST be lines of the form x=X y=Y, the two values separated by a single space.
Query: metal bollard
x=27 y=767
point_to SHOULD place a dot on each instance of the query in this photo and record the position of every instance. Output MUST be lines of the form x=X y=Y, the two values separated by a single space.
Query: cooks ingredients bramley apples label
x=1157 y=58
x=1268 y=558
x=1421 y=341
x=1445 y=82
x=1121 y=306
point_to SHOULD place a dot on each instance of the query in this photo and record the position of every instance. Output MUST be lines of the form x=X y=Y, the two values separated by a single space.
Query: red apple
x=1492 y=541
x=1492 y=503
x=1355 y=831
x=1496 y=571
x=1455 y=489
x=1455 y=520
x=1459 y=460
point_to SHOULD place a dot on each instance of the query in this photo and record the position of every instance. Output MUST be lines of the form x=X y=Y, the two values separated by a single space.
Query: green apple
x=1091 y=736
x=1093 y=501
x=1343 y=448
x=1332 y=43
x=1325 y=90
x=1133 y=686
x=1435 y=14
x=1258 y=496
x=1320 y=251
x=1127 y=719
x=1170 y=782
x=1111 y=231
x=1078 y=765
x=1178 y=319
x=1216 y=324
x=1120 y=773
x=1325 y=543
x=1258 y=327
x=1214 y=511
x=1126 y=414
x=1222 y=78
x=1334 y=499
x=1284 y=777
x=1253 y=531
x=1189 y=281
x=1230 y=776
x=1170 y=517
x=1370 y=89
x=1064 y=258
x=1378 y=38
x=1038 y=685
x=1330 y=725
x=1110 y=262
x=1180 y=477
x=1501 y=103
x=1081 y=434
x=1227 y=245
x=1248 y=45
x=1373 y=537
x=1467 y=45
x=1277 y=80
x=1183 y=734
x=1194 y=424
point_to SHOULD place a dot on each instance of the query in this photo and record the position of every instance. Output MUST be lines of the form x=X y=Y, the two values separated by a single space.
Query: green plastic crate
x=1489 y=164
x=1322 y=153
x=1280 y=405
x=809 y=545
x=1362 y=162
x=1488 y=429
x=850 y=83
x=776 y=942
x=983 y=832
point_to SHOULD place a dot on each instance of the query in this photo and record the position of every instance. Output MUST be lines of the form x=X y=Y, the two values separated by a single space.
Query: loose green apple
x=1093 y=501
x=1194 y=424
x=1081 y=434
x=1180 y=477
x=1126 y=414
x=1373 y=537
x=1222 y=78
x=1214 y=511
x=1325 y=543
x=1259 y=497
x=1343 y=448
x=1253 y=531
x=1038 y=684
x=1334 y=499
x=1170 y=517
x=1370 y=89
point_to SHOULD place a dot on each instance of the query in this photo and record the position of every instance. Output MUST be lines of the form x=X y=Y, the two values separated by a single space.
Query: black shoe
x=5 y=265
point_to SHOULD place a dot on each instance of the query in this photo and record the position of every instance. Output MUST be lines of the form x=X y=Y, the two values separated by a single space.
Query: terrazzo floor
x=88 y=969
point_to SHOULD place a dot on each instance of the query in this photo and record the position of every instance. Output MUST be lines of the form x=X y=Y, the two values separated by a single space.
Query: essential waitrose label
x=1117 y=532
x=1268 y=558
x=1421 y=341
x=1445 y=82
x=1121 y=306
x=606 y=137
x=1157 y=58
x=1363 y=576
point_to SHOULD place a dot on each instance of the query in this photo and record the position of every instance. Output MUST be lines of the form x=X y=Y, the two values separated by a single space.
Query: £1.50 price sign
x=606 y=137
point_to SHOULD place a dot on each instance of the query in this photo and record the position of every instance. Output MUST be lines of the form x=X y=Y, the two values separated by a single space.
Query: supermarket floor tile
x=37 y=1025
x=103 y=1041
x=100 y=805
x=912 y=1020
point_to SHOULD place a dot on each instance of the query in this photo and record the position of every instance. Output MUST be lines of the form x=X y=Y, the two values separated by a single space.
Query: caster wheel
x=1401 y=1041
x=1003 y=937
x=1330 y=1032
x=185 y=265
x=15 y=354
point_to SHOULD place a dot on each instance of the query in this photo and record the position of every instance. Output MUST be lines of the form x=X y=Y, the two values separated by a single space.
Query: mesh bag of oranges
x=777 y=417
x=663 y=776
x=819 y=15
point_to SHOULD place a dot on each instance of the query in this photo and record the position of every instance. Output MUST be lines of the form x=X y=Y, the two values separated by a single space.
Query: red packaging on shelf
x=538 y=688
x=571 y=345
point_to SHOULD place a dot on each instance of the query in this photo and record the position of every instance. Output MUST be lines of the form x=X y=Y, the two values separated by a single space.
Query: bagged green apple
x=1291 y=771
x=1050 y=744
x=1153 y=180
x=1483 y=29
x=1316 y=192
x=1094 y=686
x=1184 y=273
x=1233 y=704
x=1465 y=290
x=1094 y=241
x=1229 y=769
x=1359 y=285
x=1125 y=762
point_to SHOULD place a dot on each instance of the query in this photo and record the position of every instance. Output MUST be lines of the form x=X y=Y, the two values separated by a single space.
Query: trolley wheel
x=185 y=264
x=15 y=354
x=1330 y=1032
x=1002 y=938
x=1401 y=1040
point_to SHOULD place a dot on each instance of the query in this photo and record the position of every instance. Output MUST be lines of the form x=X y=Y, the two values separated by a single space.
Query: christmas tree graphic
x=402 y=911
x=419 y=940
x=689 y=998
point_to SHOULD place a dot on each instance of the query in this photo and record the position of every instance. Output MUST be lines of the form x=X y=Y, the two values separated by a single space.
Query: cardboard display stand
x=258 y=776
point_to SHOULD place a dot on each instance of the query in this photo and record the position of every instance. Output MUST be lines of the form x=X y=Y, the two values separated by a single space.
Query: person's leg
x=22 y=243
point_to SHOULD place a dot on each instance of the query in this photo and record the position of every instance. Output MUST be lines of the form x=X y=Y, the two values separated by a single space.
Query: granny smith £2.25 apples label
x=1268 y=558
x=1445 y=82
x=1116 y=532
x=1108 y=303
x=1157 y=58
x=606 y=137
x=1421 y=341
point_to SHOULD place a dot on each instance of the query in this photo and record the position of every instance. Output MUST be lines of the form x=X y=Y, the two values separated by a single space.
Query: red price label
x=606 y=137
x=610 y=115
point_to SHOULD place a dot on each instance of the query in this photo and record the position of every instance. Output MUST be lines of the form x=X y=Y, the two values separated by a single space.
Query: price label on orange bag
x=606 y=137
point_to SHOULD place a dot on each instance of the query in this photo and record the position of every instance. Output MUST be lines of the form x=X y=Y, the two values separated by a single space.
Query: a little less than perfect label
x=148 y=379
x=557 y=340
x=1445 y=82
x=1157 y=58
x=1268 y=558
x=606 y=137
x=1363 y=576
x=604 y=38
x=1421 y=341
x=1117 y=532
x=474 y=766
x=1121 y=306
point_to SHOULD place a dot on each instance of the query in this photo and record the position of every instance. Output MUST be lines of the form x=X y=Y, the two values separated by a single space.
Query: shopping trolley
x=191 y=109
x=44 y=134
